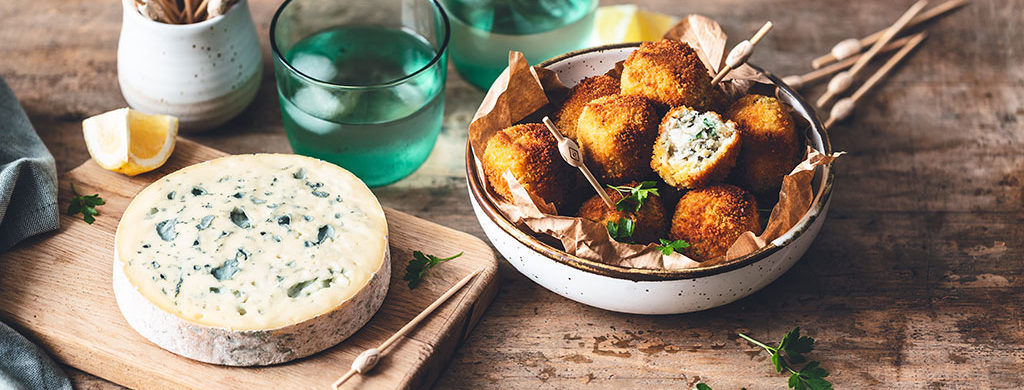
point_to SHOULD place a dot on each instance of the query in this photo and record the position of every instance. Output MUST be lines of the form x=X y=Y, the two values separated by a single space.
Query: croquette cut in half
x=615 y=134
x=771 y=145
x=694 y=149
x=530 y=152
x=669 y=72
x=582 y=93
x=650 y=222
x=712 y=218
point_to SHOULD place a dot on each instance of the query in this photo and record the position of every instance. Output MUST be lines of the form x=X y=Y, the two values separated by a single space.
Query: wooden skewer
x=369 y=358
x=570 y=152
x=172 y=10
x=740 y=53
x=799 y=81
x=842 y=80
x=200 y=9
x=844 y=107
x=188 y=10
x=852 y=46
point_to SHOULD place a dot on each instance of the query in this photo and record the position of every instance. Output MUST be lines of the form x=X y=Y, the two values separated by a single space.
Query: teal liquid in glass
x=483 y=32
x=381 y=134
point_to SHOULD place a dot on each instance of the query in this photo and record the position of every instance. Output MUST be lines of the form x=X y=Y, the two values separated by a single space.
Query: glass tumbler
x=361 y=84
x=483 y=32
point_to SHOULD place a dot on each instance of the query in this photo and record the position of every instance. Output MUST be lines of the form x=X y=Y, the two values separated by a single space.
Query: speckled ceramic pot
x=203 y=73
x=645 y=291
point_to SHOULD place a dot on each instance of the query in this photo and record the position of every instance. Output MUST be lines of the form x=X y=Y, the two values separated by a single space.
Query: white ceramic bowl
x=203 y=73
x=646 y=291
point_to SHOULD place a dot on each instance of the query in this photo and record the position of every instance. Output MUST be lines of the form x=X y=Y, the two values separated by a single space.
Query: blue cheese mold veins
x=242 y=259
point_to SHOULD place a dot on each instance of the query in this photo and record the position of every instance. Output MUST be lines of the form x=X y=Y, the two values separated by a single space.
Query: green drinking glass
x=361 y=84
x=483 y=32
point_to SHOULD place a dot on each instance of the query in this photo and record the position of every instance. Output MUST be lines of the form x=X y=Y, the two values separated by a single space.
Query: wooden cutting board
x=56 y=289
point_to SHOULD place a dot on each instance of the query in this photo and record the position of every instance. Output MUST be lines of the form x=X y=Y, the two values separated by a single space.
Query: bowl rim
x=645 y=274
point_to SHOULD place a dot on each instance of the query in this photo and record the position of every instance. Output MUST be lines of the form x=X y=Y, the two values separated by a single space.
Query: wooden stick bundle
x=184 y=11
x=851 y=46
x=799 y=81
x=842 y=80
x=844 y=107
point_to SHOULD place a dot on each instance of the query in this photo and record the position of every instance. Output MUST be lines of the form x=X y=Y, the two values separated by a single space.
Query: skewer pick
x=570 y=152
x=369 y=358
x=740 y=53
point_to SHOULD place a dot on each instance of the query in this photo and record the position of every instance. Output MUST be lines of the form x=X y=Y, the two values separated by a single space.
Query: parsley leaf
x=621 y=231
x=811 y=377
x=419 y=265
x=667 y=247
x=702 y=386
x=707 y=131
x=796 y=346
x=635 y=196
x=789 y=354
x=85 y=204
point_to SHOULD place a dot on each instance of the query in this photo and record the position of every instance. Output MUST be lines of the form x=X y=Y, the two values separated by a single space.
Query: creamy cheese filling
x=252 y=242
x=693 y=138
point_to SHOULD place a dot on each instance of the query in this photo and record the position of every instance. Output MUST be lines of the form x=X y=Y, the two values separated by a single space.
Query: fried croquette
x=530 y=152
x=649 y=222
x=616 y=134
x=588 y=89
x=669 y=72
x=771 y=146
x=694 y=149
x=712 y=218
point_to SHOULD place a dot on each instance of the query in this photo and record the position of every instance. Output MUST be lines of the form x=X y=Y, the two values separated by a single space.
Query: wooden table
x=916 y=280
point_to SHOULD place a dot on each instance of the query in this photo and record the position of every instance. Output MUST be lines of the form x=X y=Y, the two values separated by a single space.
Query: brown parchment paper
x=524 y=94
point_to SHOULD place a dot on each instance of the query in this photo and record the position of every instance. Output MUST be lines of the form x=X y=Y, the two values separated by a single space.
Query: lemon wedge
x=130 y=142
x=628 y=23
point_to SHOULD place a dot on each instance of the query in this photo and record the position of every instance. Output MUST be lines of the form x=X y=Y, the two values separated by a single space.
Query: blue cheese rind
x=236 y=261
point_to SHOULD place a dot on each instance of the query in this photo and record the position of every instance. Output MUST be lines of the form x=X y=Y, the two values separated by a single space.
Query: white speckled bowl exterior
x=644 y=291
x=203 y=73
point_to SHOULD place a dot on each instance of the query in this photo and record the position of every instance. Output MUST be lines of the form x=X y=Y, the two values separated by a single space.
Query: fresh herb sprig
x=419 y=265
x=667 y=247
x=634 y=197
x=707 y=130
x=85 y=204
x=790 y=354
x=621 y=231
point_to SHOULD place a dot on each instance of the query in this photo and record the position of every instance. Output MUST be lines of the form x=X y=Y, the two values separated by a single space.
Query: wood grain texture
x=58 y=290
x=916 y=280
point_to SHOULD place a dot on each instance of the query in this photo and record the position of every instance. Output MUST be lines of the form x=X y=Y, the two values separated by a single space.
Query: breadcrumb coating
x=694 y=149
x=669 y=72
x=530 y=152
x=712 y=218
x=616 y=135
x=771 y=145
x=588 y=89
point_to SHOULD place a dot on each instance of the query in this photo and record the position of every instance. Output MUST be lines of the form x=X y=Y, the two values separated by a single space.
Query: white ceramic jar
x=203 y=73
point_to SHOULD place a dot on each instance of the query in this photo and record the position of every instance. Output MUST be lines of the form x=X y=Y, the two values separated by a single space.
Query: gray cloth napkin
x=25 y=366
x=28 y=176
x=28 y=206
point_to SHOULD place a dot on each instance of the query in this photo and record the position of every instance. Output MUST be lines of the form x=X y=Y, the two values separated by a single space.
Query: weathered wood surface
x=70 y=309
x=916 y=280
